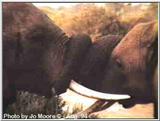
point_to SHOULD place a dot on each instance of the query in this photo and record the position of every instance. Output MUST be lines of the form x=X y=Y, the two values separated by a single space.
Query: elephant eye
x=118 y=63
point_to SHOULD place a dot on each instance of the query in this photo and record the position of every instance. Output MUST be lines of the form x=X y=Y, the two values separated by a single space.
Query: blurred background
x=98 y=19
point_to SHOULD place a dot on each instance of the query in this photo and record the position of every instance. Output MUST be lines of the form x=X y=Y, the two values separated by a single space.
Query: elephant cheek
x=137 y=85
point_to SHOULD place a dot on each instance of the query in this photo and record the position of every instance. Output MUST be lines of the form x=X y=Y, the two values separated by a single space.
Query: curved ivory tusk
x=95 y=94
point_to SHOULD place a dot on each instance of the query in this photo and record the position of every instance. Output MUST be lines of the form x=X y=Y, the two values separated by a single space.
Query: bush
x=111 y=18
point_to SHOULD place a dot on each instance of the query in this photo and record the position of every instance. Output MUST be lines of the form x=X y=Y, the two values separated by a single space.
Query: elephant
x=132 y=65
x=96 y=60
x=38 y=56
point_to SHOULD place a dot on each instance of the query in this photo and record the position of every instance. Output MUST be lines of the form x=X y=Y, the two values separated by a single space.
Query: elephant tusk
x=95 y=94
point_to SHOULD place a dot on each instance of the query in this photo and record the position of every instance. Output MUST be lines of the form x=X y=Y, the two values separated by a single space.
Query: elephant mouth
x=139 y=98
x=74 y=86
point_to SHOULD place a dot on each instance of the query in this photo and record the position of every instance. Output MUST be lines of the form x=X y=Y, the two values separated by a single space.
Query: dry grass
x=112 y=18
x=29 y=103
x=95 y=21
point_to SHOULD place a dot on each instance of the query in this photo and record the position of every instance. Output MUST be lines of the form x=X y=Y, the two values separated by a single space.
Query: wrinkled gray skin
x=132 y=65
x=77 y=48
x=37 y=55
x=92 y=70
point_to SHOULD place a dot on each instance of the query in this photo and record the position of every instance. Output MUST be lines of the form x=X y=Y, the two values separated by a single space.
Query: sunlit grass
x=101 y=20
